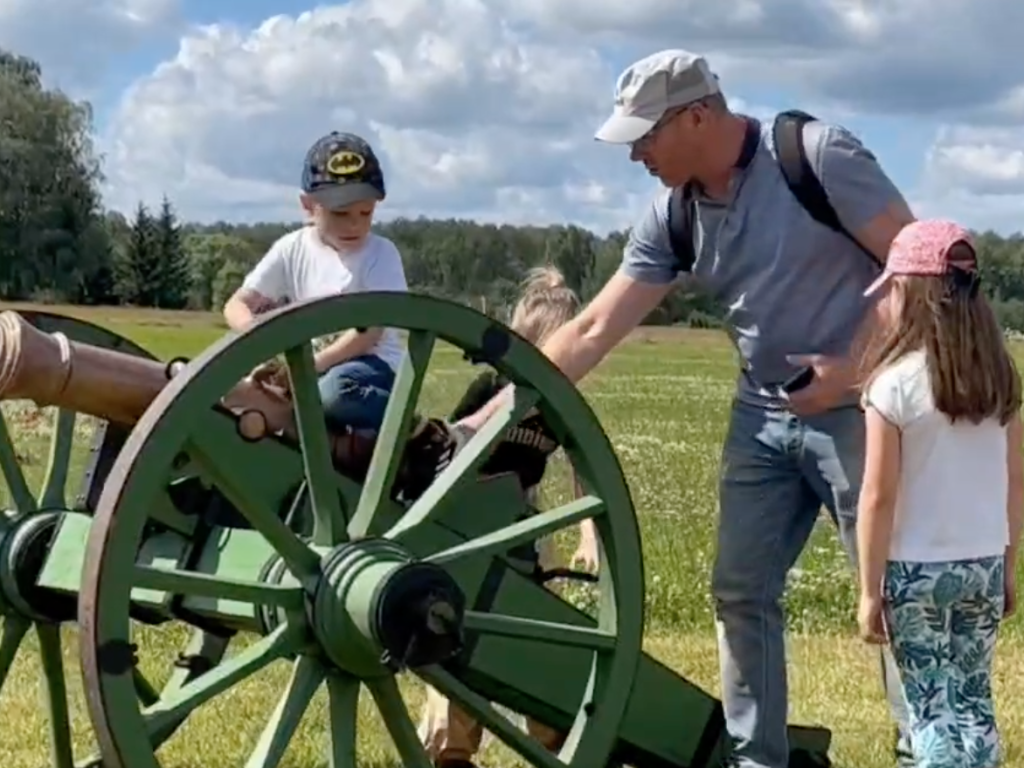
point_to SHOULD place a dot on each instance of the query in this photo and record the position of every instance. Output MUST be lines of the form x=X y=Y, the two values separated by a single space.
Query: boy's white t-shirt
x=300 y=266
x=952 y=498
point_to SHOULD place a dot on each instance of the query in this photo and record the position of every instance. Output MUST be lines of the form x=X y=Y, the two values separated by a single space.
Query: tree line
x=59 y=245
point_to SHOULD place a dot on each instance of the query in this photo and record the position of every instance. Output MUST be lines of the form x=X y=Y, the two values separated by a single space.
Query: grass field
x=662 y=398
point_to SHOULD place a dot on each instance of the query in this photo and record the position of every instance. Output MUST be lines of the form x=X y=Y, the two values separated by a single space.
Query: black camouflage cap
x=342 y=169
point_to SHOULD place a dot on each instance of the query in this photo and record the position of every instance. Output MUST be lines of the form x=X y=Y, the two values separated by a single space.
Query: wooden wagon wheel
x=373 y=590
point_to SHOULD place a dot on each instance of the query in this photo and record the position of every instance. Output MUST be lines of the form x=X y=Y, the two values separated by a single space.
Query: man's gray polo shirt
x=789 y=285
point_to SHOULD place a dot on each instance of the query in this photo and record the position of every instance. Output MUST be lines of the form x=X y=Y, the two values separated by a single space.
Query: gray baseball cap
x=341 y=169
x=650 y=87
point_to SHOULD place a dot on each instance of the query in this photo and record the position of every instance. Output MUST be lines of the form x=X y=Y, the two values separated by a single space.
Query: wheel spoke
x=148 y=695
x=551 y=632
x=21 y=496
x=307 y=675
x=328 y=516
x=490 y=718
x=55 y=695
x=216 y=587
x=343 y=706
x=532 y=528
x=462 y=471
x=55 y=484
x=301 y=560
x=394 y=431
x=396 y=719
x=15 y=629
x=172 y=709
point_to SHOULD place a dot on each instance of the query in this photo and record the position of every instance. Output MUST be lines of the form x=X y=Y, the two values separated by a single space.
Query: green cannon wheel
x=27 y=529
x=379 y=588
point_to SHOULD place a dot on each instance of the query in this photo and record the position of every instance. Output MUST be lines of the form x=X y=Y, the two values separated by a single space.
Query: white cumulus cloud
x=76 y=40
x=470 y=115
x=486 y=108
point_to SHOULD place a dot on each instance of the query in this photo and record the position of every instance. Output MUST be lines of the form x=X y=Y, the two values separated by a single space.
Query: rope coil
x=10 y=349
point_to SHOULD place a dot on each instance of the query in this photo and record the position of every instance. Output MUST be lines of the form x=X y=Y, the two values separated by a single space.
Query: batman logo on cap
x=345 y=163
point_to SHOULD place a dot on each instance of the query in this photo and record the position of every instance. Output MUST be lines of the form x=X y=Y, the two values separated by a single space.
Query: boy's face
x=344 y=228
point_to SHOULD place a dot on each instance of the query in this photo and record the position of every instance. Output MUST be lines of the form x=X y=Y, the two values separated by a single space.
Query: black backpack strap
x=799 y=174
x=680 y=227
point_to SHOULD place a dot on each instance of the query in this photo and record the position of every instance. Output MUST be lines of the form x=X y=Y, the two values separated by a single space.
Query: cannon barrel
x=52 y=370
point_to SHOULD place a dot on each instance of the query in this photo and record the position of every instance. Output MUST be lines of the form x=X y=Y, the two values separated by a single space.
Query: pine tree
x=137 y=267
x=174 y=278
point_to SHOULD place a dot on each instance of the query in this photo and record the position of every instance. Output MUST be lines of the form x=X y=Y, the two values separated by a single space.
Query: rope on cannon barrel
x=10 y=349
x=66 y=360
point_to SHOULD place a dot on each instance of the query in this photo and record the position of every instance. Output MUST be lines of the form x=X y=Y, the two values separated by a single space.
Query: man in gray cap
x=793 y=292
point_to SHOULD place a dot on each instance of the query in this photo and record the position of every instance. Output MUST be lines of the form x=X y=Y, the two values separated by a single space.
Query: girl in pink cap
x=942 y=502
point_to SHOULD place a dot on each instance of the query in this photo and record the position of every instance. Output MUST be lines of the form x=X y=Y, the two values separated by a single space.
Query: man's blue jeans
x=355 y=393
x=777 y=472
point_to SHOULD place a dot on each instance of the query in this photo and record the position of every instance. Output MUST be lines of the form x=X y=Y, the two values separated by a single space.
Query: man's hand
x=833 y=380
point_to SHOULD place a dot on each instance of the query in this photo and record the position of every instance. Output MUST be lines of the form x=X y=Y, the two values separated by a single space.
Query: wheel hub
x=376 y=610
x=24 y=547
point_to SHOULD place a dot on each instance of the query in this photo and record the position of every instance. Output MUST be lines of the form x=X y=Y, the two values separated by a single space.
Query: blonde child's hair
x=546 y=303
x=972 y=373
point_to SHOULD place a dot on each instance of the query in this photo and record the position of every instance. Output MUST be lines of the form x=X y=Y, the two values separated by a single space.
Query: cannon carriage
x=217 y=504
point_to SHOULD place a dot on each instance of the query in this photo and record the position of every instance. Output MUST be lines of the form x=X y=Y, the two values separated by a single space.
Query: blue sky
x=486 y=108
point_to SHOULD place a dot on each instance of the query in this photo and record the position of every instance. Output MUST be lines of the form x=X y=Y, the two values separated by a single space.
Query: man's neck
x=726 y=158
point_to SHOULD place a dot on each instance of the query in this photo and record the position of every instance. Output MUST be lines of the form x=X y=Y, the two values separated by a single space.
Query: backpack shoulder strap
x=788 y=131
x=797 y=170
x=680 y=227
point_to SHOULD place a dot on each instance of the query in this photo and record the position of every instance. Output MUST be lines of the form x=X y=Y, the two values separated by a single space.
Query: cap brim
x=342 y=195
x=879 y=283
x=624 y=129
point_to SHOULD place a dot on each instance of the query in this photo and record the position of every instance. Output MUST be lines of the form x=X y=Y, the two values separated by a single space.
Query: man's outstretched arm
x=648 y=271
x=578 y=346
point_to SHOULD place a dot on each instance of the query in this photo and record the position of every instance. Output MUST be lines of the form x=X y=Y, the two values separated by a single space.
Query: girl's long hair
x=546 y=303
x=972 y=374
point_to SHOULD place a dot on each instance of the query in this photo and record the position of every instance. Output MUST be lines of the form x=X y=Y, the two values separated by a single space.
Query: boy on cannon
x=335 y=253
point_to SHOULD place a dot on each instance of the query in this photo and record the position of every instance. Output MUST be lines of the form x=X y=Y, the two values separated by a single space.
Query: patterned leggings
x=942 y=620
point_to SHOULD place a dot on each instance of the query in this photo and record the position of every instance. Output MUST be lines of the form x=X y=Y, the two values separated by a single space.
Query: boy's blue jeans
x=355 y=392
x=777 y=471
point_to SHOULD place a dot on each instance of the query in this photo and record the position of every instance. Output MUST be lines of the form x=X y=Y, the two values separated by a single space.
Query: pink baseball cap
x=923 y=248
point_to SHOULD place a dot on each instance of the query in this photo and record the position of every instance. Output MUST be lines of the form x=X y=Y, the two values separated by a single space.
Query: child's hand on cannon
x=272 y=373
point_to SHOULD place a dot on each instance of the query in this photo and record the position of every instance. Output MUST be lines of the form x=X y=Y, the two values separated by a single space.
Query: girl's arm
x=1015 y=497
x=877 y=501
